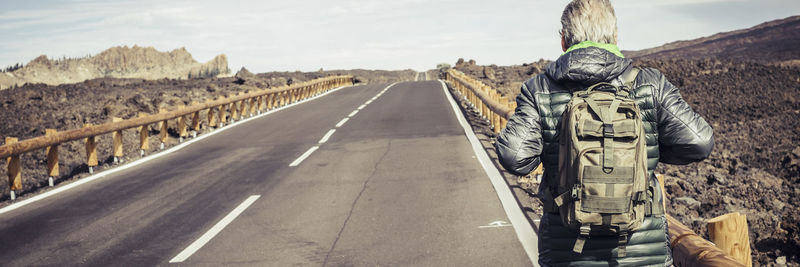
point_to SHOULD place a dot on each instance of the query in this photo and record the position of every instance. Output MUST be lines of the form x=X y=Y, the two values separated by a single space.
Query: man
x=675 y=134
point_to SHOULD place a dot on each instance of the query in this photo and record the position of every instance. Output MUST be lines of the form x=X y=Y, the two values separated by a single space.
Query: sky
x=307 y=35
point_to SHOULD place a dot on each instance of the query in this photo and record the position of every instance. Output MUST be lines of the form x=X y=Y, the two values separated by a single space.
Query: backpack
x=602 y=164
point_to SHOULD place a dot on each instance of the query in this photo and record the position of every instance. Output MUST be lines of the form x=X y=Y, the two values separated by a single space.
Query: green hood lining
x=585 y=44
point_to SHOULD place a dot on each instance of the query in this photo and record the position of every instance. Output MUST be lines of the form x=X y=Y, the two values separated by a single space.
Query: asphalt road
x=397 y=183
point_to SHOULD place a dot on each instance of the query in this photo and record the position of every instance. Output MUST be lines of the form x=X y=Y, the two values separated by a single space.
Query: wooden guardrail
x=688 y=248
x=235 y=106
x=490 y=104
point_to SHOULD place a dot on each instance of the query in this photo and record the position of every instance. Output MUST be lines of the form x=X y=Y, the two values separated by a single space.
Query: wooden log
x=13 y=168
x=196 y=121
x=163 y=128
x=223 y=109
x=52 y=155
x=730 y=233
x=234 y=111
x=259 y=106
x=212 y=119
x=243 y=108
x=116 y=137
x=143 y=134
x=270 y=101
x=195 y=118
x=690 y=250
x=182 y=129
x=91 y=149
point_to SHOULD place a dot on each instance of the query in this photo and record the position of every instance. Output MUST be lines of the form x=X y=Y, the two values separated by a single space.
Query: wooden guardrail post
x=116 y=137
x=182 y=129
x=473 y=99
x=52 y=158
x=163 y=126
x=495 y=117
x=503 y=121
x=143 y=134
x=300 y=93
x=13 y=170
x=729 y=232
x=258 y=106
x=91 y=151
x=195 y=121
x=242 y=109
x=251 y=106
x=234 y=111
x=222 y=110
x=212 y=120
x=270 y=101
x=484 y=109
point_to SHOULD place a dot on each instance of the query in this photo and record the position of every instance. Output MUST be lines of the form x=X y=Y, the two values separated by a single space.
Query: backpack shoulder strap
x=628 y=79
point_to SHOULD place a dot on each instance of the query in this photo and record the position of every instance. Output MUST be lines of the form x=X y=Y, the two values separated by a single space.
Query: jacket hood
x=587 y=66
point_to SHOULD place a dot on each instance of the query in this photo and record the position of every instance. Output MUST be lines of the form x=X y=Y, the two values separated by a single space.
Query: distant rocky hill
x=774 y=42
x=115 y=62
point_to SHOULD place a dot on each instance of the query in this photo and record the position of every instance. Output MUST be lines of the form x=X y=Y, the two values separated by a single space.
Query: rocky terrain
x=29 y=109
x=753 y=104
x=115 y=62
x=773 y=42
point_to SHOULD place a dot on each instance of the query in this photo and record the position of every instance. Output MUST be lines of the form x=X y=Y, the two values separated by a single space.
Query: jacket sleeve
x=684 y=137
x=519 y=145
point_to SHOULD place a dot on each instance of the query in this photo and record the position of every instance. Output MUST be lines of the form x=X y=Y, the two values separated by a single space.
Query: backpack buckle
x=608 y=130
x=576 y=192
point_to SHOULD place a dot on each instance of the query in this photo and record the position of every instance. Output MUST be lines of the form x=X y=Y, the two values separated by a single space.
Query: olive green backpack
x=602 y=162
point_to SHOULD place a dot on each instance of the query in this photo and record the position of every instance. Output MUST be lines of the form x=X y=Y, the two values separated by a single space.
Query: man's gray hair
x=589 y=20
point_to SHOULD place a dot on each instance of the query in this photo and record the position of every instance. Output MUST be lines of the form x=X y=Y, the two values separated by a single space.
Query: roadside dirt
x=755 y=166
x=28 y=110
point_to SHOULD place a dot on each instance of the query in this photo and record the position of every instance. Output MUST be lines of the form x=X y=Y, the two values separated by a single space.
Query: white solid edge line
x=521 y=225
x=304 y=156
x=139 y=161
x=341 y=122
x=353 y=113
x=327 y=136
x=200 y=242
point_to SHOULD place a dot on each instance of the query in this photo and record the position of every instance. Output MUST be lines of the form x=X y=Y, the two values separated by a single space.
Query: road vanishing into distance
x=365 y=175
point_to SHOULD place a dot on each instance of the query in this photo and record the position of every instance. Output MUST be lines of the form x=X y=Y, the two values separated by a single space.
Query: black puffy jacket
x=675 y=135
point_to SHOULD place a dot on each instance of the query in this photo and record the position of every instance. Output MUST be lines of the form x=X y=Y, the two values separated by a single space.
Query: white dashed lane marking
x=303 y=157
x=341 y=122
x=327 y=136
x=200 y=242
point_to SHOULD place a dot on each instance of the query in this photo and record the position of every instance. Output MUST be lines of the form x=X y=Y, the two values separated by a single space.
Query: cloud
x=309 y=34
